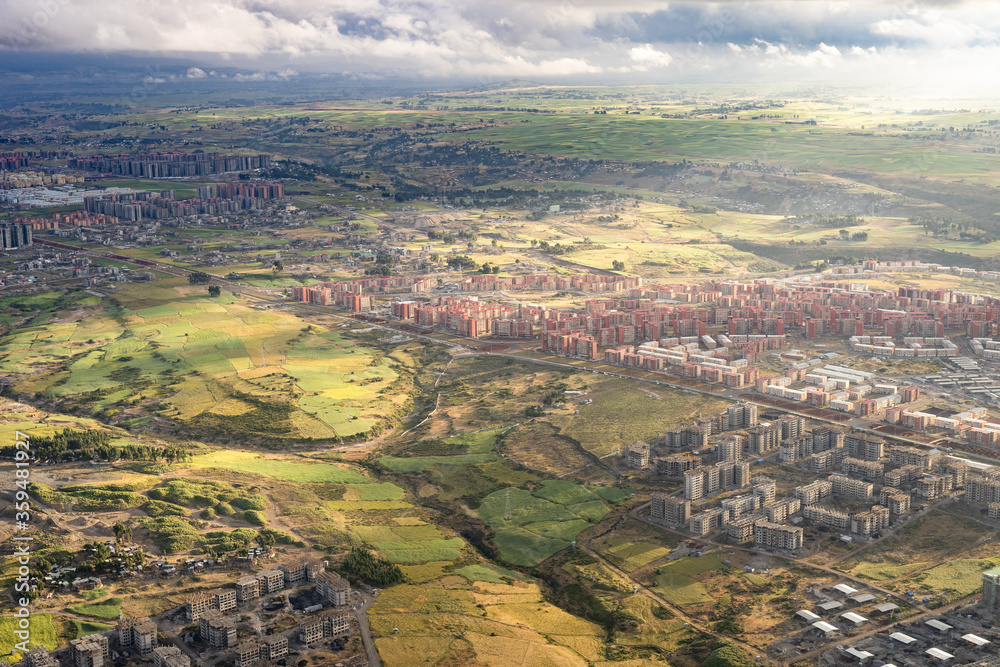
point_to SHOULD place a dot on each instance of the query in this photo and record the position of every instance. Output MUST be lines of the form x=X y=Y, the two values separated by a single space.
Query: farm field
x=41 y=627
x=927 y=555
x=621 y=415
x=211 y=364
x=480 y=622
x=541 y=522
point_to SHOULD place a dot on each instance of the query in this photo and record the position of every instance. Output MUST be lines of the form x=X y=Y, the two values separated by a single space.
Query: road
x=361 y=614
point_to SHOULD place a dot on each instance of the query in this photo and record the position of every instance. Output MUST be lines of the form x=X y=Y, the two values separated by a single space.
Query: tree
x=214 y=290
x=278 y=266
x=123 y=533
x=199 y=278
x=617 y=265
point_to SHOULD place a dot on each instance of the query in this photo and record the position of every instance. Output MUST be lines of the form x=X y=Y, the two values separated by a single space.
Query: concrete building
x=90 y=651
x=813 y=492
x=780 y=511
x=39 y=656
x=851 y=488
x=705 y=522
x=222 y=600
x=990 y=597
x=827 y=517
x=741 y=530
x=871 y=522
x=777 y=536
x=675 y=465
x=216 y=630
x=270 y=581
x=262 y=651
x=294 y=573
x=864 y=446
x=765 y=488
x=333 y=589
x=247 y=588
x=741 y=415
x=868 y=470
x=321 y=626
x=170 y=656
x=669 y=509
x=637 y=455
x=137 y=634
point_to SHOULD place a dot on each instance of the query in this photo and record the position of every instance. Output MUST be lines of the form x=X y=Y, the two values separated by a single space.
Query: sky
x=938 y=47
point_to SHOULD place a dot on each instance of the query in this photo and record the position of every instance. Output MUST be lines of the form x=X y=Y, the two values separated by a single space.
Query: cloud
x=650 y=39
x=646 y=56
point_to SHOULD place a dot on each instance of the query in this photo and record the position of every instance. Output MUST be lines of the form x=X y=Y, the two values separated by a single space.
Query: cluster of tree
x=462 y=262
x=827 y=220
x=489 y=268
x=445 y=237
x=942 y=227
x=856 y=236
x=199 y=278
x=381 y=270
x=72 y=445
x=379 y=571
x=617 y=265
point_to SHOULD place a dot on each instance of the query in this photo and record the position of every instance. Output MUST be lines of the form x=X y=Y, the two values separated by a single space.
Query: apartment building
x=705 y=522
x=765 y=488
x=764 y=439
x=39 y=656
x=270 y=581
x=247 y=588
x=851 y=488
x=933 y=486
x=137 y=634
x=216 y=630
x=864 y=446
x=781 y=510
x=897 y=501
x=328 y=624
x=669 y=509
x=294 y=573
x=637 y=455
x=868 y=470
x=813 y=492
x=223 y=600
x=827 y=460
x=332 y=588
x=777 y=536
x=827 y=517
x=871 y=522
x=170 y=656
x=741 y=530
x=262 y=651
x=910 y=456
x=741 y=416
x=983 y=488
x=90 y=651
x=675 y=465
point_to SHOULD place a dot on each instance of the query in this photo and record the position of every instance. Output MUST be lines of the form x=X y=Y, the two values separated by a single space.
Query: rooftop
x=939 y=654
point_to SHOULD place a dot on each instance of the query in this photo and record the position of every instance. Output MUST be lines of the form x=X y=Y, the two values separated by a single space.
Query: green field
x=42 y=632
x=108 y=609
x=463 y=449
x=630 y=556
x=292 y=470
x=542 y=522
x=84 y=628
x=621 y=415
x=215 y=364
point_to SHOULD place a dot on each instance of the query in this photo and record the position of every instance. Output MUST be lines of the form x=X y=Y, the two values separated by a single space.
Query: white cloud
x=527 y=38
x=646 y=56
